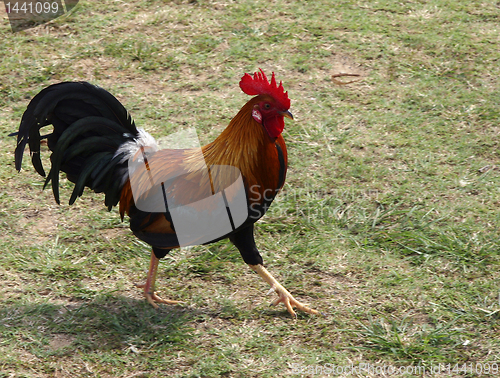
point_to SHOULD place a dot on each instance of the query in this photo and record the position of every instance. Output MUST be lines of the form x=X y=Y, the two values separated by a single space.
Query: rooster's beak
x=287 y=114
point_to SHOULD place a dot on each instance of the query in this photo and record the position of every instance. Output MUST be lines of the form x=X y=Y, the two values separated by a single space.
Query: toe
x=290 y=308
x=290 y=302
x=151 y=301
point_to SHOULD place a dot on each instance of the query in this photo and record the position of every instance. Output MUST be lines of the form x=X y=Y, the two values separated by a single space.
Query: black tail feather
x=89 y=124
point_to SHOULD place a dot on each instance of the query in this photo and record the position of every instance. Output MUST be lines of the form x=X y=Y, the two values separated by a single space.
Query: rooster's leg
x=283 y=294
x=149 y=286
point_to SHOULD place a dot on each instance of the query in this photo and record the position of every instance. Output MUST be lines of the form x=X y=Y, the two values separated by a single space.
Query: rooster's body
x=94 y=141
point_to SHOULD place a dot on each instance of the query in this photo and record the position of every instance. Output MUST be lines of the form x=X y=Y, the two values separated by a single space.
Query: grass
x=388 y=223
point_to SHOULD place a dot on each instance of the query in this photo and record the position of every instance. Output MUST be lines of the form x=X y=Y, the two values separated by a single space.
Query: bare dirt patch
x=60 y=341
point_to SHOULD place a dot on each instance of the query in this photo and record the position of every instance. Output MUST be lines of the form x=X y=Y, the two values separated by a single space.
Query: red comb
x=258 y=85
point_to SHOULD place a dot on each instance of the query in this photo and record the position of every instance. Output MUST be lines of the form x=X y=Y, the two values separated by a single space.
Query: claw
x=283 y=295
x=290 y=302
x=153 y=299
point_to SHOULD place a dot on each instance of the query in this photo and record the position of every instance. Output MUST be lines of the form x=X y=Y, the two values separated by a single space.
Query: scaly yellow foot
x=290 y=302
x=283 y=295
x=149 y=286
x=152 y=298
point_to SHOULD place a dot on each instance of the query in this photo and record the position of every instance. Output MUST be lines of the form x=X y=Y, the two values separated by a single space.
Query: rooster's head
x=273 y=102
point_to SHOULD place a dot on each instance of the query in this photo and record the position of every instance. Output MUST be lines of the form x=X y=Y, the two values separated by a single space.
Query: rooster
x=96 y=143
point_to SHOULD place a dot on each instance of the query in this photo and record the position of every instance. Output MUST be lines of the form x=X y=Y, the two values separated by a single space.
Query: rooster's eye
x=267 y=106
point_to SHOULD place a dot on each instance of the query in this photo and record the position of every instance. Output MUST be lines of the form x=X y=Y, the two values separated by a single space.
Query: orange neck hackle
x=245 y=144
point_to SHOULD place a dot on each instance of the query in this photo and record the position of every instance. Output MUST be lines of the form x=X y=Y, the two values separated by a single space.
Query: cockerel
x=96 y=143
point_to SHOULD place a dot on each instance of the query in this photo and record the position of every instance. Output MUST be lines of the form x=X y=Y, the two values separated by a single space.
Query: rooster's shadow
x=103 y=323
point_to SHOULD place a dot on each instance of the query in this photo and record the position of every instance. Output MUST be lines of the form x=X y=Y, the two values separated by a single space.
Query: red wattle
x=274 y=126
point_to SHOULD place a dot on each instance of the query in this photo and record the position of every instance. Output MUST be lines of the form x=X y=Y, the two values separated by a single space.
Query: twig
x=338 y=82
